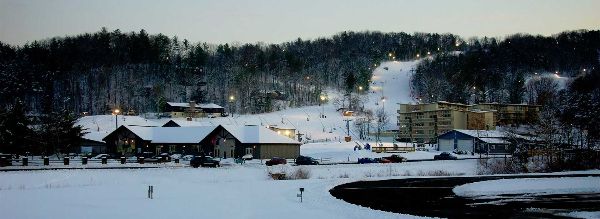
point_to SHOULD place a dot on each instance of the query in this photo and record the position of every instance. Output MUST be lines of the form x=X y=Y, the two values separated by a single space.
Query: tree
x=58 y=132
x=382 y=121
x=15 y=133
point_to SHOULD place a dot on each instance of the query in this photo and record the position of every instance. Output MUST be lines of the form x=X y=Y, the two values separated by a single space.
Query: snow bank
x=582 y=214
x=533 y=186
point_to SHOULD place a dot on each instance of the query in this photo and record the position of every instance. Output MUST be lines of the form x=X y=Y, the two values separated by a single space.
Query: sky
x=277 y=21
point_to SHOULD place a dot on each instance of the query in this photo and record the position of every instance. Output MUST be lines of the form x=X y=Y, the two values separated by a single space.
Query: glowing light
x=231 y=98
x=390 y=54
x=116 y=111
x=418 y=55
x=360 y=87
x=428 y=53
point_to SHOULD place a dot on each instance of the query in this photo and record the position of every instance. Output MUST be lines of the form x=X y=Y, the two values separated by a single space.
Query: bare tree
x=382 y=121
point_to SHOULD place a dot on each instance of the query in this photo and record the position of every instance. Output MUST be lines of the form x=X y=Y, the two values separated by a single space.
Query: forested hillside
x=95 y=72
x=491 y=70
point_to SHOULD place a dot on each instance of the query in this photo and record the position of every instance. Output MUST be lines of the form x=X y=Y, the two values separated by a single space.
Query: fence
x=46 y=161
x=384 y=149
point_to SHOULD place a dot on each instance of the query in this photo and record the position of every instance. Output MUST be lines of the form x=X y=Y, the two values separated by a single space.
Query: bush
x=300 y=173
x=499 y=166
x=287 y=174
x=438 y=173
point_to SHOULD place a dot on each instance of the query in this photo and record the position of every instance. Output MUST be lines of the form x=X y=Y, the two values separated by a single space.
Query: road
x=433 y=197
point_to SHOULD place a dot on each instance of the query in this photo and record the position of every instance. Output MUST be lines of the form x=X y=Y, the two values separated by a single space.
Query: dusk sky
x=276 y=21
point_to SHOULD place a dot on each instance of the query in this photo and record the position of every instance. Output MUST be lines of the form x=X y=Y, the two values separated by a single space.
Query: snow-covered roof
x=209 y=106
x=185 y=123
x=252 y=134
x=95 y=136
x=494 y=140
x=106 y=123
x=198 y=105
x=483 y=133
x=181 y=135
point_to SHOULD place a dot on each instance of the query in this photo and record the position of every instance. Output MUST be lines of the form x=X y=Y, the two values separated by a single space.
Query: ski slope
x=390 y=82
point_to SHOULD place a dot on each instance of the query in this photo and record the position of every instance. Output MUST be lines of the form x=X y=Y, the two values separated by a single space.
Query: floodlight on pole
x=116 y=113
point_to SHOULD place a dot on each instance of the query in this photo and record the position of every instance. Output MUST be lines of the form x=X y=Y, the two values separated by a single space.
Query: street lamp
x=322 y=106
x=231 y=99
x=116 y=113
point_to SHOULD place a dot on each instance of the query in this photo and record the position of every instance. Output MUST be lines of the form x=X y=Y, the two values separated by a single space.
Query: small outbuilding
x=477 y=141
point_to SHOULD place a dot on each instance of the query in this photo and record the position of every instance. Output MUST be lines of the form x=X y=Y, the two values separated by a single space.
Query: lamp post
x=231 y=99
x=116 y=113
x=322 y=106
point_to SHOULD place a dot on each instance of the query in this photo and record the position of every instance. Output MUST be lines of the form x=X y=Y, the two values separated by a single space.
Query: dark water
x=433 y=197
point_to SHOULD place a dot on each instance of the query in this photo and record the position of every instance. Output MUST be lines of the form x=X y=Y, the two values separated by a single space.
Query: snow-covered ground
x=336 y=152
x=530 y=186
x=236 y=191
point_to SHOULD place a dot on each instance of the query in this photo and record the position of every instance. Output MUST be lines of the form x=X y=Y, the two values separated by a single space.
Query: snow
x=198 y=105
x=257 y=134
x=235 y=191
x=95 y=136
x=195 y=134
x=530 y=186
x=582 y=214
x=394 y=85
x=106 y=123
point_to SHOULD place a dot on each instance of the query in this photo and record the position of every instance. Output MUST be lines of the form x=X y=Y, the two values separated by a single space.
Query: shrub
x=438 y=173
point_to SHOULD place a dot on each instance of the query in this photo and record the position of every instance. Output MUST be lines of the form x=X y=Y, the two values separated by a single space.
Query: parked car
x=460 y=152
x=164 y=157
x=382 y=160
x=188 y=157
x=396 y=158
x=276 y=161
x=204 y=161
x=100 y=156
x=175 y=156
x=6 y=160
x=444 y=156
x=304 y=160
x=366 y=160
x=248 y=157
x=146 y=154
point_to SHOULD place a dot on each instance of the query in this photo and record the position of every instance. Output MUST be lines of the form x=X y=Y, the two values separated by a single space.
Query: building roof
x=185 y=123
x=195 y=134
x=172 y=135
x=95 y=136
x=483 y=133
x=198 y=105
x=253 y=134
x=494 y=140
x=489 y=136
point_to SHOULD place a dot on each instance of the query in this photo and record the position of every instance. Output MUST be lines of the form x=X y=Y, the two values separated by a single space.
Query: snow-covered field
x=237 y=191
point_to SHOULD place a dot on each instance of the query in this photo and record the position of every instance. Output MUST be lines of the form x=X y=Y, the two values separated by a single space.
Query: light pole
x=116 y=113
x=231 y=99
x=322 y=106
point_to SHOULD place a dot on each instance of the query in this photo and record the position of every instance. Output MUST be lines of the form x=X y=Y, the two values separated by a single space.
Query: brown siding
x=288 y=151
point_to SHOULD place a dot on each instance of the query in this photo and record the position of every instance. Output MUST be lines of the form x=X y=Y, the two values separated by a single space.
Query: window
x=250 y=151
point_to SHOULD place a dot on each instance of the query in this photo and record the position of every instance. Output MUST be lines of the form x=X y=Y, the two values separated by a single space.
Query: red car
x=276 y=161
